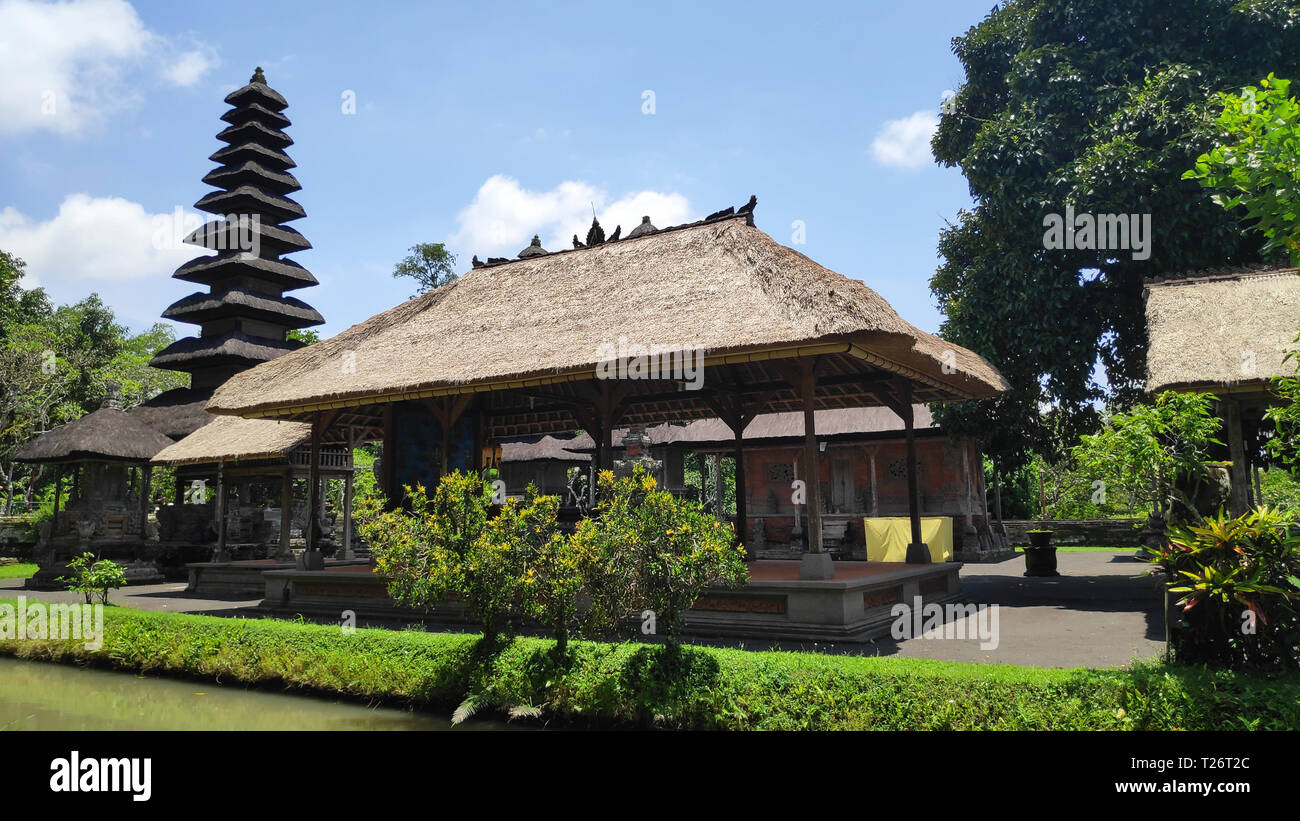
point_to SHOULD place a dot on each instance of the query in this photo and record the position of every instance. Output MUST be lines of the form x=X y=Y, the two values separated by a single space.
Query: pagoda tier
x=245 y=317
x=236 y=302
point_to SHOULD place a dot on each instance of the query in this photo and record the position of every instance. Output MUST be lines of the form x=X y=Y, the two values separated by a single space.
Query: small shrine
x=104 y=458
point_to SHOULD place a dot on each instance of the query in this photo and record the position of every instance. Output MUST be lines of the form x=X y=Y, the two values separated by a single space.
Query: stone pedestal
x=817 y=566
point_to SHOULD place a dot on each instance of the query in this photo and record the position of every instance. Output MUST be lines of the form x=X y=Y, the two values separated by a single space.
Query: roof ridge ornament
x=534 y=249
x=258 y=76
x=595 y=234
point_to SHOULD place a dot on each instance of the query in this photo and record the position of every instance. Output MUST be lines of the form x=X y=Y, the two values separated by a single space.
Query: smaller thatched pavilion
x=1226 y=332
x=105 y=454
x=242 y=452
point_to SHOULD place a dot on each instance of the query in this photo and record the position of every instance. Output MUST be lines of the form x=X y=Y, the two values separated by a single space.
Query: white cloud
x=108 y=244
x=504 y=216
x=64 y=64
x=905 y=143
x=188 y=68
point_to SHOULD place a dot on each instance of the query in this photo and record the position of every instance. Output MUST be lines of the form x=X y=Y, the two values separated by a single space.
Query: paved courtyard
x=1102 y=611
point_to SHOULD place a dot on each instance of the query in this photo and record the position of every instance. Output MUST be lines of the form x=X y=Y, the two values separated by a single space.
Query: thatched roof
x=175 y=413
x=723 y=286
x=1224 y=332
x=548 y=448
x=107 y=434
x=231 y=439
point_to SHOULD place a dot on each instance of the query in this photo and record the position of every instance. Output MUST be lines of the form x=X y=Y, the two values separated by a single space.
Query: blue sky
x=478 y=125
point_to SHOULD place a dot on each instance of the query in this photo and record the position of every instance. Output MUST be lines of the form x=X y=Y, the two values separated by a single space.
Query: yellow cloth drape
x=888 y=537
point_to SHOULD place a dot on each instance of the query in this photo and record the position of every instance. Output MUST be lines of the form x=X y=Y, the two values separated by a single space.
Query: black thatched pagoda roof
x=245 y=317
x=109 y=434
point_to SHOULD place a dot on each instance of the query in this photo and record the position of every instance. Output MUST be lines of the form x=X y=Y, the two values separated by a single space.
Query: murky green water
x=40 y=696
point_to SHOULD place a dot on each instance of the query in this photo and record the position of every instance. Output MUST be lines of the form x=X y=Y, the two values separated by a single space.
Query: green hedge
x=700 y=688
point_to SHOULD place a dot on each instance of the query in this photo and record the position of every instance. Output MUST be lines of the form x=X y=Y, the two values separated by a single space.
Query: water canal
x=45 y=696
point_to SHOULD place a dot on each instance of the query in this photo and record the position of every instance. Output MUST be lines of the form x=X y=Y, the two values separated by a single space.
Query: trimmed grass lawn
x=639 y=685
x=17 y=571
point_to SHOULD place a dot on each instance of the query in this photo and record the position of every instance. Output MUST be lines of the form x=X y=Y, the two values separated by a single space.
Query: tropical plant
x=1237 y=581
x=1254 y=166
x=1285 y=414
x=1150 y=452
x=94 y=579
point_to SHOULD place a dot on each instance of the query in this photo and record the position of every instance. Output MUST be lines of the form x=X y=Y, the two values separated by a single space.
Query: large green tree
x=1098 y=106
x=430 y=264
x=56 y=363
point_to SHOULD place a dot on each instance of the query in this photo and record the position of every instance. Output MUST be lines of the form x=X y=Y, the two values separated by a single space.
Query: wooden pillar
x=313 y=489
x=812 y=466
x=601 y=434
x=146 y=487
x=917 y=552
x=997 y=497
x=286 y=514
x=219 y=509
x=1238 y=498
x=970 y=531
x=715 y=459
x=58 y=493
x=742 y=502
x=875 y=487
x=347 y=516
x=816 y=563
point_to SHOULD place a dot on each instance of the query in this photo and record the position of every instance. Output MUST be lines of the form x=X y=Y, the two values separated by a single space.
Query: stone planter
x=1040 y=556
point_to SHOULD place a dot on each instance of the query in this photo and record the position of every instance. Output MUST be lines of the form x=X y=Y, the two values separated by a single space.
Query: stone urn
x=1040 y=555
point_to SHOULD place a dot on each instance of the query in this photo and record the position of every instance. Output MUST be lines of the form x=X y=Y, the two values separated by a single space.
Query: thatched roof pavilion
x=100 y=451
x=108 y=434
x=260 y=450
x=536 y=345
x=1222 y=332
x=1225 y=332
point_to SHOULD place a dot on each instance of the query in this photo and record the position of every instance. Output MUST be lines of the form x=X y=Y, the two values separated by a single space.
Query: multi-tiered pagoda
x=245 y=316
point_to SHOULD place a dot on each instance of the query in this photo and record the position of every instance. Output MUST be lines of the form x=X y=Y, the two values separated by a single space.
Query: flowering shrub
x=654 y=551
x=646 y=550
x=547 y=572
x=1237 y=582
x=432 y=552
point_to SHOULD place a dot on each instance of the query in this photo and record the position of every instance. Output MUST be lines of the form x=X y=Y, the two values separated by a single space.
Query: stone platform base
x=854 y=605
x=245 y=579
x=47 y=576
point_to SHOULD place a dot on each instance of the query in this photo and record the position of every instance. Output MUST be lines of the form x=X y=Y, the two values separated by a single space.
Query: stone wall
x=1091 y=532
x=15 y=537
